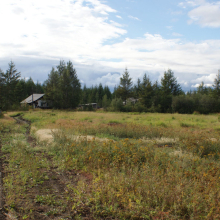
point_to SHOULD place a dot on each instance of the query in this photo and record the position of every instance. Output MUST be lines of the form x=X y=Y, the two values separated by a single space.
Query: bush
x=196 y=103
x=138 y=107
x=128 y=107
x=116 y=105
x=183 y=104
x=185 y=125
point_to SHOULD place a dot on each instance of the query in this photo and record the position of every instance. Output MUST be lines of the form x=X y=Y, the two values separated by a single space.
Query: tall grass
x=132 y=180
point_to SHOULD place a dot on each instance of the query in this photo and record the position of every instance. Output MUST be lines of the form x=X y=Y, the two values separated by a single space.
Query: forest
x=64 y=90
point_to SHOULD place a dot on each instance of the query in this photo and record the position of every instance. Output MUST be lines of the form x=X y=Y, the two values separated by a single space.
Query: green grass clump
x=86 y=119
x=114 y=122
x=186 y=125
x=162 y=124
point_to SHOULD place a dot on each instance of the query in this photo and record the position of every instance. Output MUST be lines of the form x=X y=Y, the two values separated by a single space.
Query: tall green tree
x=146 y=92
x=169 y=88
x=30 y=86
x=156 y=100
x=9 y=82
x=53 y=88
x=63 y=87
x=107 y=92
x=216 y=86
x=137 y=89
x=125 y=88
x=202 y=89
x=74 y=91
x=1 y=89
x=105 y=102
x=84 y=95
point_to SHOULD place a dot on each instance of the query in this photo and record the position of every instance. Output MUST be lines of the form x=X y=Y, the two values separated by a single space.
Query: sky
x=103 y=37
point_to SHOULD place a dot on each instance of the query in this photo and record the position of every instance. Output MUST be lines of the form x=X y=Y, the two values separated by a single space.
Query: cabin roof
x=28 y=100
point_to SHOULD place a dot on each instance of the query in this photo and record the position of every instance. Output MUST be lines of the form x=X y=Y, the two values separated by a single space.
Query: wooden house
x=36 y=100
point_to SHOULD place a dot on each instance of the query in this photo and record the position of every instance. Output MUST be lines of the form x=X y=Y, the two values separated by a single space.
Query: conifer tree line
x=64 y=91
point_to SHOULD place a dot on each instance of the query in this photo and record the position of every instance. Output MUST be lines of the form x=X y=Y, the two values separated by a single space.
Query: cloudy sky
x=102 y=37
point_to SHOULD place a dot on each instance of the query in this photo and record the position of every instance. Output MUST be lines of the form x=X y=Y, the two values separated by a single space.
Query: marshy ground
x=97 y=165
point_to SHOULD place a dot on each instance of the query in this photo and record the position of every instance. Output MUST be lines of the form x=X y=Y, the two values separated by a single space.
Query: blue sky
x=102 y=37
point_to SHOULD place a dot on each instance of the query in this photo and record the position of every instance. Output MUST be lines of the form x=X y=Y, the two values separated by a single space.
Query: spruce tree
x=216 y=86
x=146 y=92
x=169 y=88
x=63 y=87
x=9 y=81
x=125 y=88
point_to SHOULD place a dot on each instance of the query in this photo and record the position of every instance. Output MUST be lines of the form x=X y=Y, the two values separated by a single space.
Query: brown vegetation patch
x=64 y=123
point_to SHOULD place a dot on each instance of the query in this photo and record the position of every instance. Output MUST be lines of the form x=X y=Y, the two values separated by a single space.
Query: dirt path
x=48 y=199
x=29 y=138
x=2 y=215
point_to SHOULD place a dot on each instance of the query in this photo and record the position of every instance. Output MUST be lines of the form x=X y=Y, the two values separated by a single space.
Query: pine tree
x=146 y=92
x=107 y=92
x=10 y=80
x=169 y=88
x=52 y=89
x=105 y=102
x=216 y=85
x=137 y=89
x=1 y=89
x=125 y=88
x=63 y=87
x=202 y=89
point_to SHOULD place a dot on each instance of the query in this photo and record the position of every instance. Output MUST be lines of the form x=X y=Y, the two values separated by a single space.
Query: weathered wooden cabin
x=36 y=100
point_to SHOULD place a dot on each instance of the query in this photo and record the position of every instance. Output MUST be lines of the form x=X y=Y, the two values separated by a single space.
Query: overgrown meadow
x=98 y=165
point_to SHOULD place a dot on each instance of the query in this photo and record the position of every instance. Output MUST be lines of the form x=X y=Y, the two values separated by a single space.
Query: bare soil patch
x=45 y=134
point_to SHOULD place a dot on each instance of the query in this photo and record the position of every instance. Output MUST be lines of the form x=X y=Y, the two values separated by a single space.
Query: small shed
x=89 y=105
x=36 y=101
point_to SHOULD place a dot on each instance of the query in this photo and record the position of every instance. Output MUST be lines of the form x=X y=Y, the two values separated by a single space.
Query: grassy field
x=98 y=165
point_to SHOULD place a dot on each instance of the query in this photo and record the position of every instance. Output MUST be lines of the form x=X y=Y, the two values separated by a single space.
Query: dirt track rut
x=2 y=215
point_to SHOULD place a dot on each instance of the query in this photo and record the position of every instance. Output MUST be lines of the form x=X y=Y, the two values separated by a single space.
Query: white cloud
x=191 y=3
x=118 y=16
x=206 y=15
x=134 y=18
x=43 y=32
x=205 y=84
x=207 y=79
x=111 y=79
x=56 y=28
